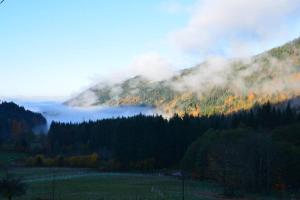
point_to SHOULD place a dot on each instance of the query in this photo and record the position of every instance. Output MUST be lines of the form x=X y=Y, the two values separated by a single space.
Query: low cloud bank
x=54 y=111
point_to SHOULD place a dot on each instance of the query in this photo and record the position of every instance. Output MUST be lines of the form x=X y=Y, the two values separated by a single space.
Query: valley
x=150 y=100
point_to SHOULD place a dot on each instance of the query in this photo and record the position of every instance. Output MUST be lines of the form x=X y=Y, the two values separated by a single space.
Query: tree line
x=154 y=140
x=245 y=159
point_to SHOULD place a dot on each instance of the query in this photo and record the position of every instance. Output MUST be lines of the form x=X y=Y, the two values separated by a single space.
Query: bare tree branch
x=2 y=1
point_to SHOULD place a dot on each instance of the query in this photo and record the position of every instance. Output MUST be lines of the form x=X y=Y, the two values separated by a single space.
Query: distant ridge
x=15 y=121
x=213 y=87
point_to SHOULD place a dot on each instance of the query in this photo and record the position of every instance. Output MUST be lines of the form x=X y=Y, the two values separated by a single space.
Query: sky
x=53 y=49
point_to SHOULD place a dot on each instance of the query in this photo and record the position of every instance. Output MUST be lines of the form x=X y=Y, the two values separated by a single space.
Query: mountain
x=212 y=87
x=15 y=121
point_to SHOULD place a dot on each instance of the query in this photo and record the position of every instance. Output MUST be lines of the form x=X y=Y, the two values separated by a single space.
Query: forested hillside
x=216 y=86
x=16 y=122
x=247 y=159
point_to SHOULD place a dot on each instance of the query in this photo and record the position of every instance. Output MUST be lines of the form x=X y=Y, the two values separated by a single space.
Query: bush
x=88 y=161
x=11 y=186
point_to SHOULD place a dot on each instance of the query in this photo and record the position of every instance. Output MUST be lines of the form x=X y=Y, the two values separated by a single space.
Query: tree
x=11 y=186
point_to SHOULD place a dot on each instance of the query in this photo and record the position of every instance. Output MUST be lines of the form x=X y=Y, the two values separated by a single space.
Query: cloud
x=234 y=27
x=216 y=30
x=214 y=72
x=152 y=66
x=241 y=76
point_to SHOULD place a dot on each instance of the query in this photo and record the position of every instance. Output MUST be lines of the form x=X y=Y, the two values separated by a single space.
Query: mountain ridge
x=216 y=86
x=16 y=121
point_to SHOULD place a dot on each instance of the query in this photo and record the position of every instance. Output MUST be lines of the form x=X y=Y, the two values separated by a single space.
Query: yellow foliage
x=129 y=100
x=195 y=111
x=229 y=100
x=83 y=161
x=251 y=96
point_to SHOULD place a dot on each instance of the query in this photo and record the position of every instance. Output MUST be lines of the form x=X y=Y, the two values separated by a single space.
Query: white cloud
x=234 y=27
x=214 y=72
x=152 y=66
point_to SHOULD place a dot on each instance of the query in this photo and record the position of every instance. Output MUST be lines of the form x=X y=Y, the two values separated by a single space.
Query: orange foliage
x=229 y=100
x=251 y=96
x=296 y=76
x=196 y=111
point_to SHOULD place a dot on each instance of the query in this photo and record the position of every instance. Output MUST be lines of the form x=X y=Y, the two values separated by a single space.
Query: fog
x=56 y=111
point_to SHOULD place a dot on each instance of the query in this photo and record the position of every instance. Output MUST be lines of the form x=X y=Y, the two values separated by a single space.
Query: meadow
x=45 y=183
x=86 y=184
x=7 y=157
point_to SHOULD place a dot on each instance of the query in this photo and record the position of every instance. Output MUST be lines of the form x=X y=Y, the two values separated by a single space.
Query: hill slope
x=15 y=121
x=215 y=86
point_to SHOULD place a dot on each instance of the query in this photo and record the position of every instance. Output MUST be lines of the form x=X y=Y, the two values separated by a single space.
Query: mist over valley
x=59 y=112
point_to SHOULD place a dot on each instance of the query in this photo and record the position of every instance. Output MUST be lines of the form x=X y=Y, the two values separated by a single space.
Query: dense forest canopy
x=16 y=121
x=137 y=138
x=247 y=159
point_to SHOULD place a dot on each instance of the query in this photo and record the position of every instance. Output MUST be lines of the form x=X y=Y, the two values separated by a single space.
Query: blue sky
x=55 y=48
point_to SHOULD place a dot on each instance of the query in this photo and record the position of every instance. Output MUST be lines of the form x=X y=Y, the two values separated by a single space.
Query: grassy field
x=9 y=157
x=83 y=184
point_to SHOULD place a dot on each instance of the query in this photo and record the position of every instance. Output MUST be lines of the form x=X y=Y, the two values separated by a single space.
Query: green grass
x=85 y=184
x=9 y=157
